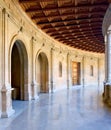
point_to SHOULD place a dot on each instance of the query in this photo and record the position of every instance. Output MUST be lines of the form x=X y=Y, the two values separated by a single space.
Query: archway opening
x=19 y=71
x=42 y=73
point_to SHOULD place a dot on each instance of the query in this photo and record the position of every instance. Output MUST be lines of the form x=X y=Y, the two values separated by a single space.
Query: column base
x=7 y=113
x=107 y=94
x=68 y=84
x=34 y=91
x=52 y=87
x=7 y=109
x=27 y=94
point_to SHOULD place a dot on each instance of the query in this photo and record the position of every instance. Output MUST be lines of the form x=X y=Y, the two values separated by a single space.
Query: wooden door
x=75 y=73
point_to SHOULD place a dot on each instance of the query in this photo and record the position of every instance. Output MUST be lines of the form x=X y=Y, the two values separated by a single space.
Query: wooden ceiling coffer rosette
x=77 y=23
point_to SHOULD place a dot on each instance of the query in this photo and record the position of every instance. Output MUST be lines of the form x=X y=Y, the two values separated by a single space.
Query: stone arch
x=42 y=72
x=19 y=71
x=15 y=37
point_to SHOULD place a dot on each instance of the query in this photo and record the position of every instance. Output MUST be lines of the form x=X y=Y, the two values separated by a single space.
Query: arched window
x=91 y=70
x=60 y=69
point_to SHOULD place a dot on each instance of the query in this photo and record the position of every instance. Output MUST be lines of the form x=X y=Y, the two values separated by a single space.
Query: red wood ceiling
x=77 y=23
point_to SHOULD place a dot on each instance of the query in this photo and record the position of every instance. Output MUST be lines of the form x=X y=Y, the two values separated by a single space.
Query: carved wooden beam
x=36 y=1
x=72 y=20
x=76 y=32
x=35 y=9
x=75 y=35
x=73 y=25
x=66 y=15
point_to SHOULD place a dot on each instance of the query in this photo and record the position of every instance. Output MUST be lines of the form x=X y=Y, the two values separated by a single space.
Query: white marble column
x=107 y=83
x=6 y=90
x=34 y=83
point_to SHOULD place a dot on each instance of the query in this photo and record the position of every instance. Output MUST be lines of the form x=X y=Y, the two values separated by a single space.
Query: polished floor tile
x=74 y=109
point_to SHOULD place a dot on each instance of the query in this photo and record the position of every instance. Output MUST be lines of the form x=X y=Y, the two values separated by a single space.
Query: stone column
x=7 y=109
x=52 y=83
x=107 y=83
x=68 y=71
x=34 y=83
x=83 y=71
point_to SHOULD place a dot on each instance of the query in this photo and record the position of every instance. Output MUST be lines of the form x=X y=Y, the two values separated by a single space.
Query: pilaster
x=7 y=109
x=98 y=80
x=34 y=85
x=52 y=83
x=68 y=71
x=83 y=71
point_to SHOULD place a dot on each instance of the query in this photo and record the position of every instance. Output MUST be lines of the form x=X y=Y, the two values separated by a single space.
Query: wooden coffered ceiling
x=77 y=23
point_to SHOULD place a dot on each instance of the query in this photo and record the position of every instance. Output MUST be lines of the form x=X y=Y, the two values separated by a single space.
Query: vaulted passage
x=19 y=66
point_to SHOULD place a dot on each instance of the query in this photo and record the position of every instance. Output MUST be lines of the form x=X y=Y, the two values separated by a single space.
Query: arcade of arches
x=33 y=62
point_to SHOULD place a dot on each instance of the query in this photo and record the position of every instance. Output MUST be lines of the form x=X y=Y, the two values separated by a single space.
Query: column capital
x=109 y=32
x=52 y=49
x=107 y=83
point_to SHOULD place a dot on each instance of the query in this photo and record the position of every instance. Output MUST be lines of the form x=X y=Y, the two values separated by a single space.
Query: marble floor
x=74 y=109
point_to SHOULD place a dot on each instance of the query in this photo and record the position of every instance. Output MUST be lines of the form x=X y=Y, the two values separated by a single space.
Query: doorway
x=19 y=71
x=75 y=73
